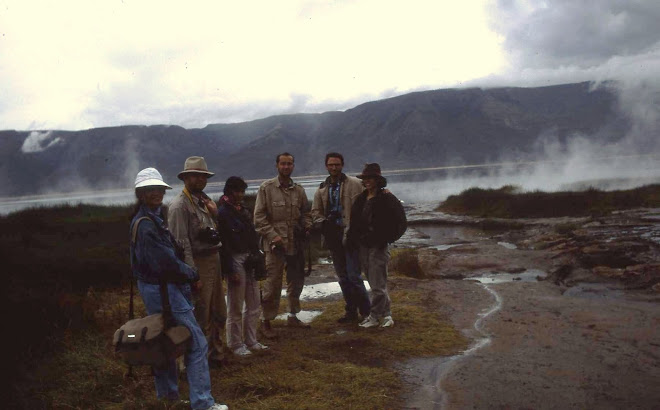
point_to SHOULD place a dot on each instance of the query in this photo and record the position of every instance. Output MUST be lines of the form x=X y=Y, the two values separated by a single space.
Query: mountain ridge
x=423 y=128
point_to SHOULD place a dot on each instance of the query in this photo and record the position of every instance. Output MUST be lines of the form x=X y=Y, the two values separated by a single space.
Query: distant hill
x=430 y=128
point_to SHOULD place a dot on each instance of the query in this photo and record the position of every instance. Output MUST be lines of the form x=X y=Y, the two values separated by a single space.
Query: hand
x=211 y=206
x=277 y=241
x=196 y=286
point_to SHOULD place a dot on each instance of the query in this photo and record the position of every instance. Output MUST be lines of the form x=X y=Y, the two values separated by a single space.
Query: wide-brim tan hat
x=195 y=165
x=150 y=177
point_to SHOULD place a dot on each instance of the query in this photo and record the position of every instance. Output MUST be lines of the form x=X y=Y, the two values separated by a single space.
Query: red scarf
x=226 y=199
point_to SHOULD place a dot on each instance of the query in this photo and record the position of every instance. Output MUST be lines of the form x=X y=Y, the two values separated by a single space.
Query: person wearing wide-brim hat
x=377 y=219
x=192 y=219
x=154 y=259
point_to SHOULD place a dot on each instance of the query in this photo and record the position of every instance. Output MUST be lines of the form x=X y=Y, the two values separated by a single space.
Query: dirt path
x=543 y=345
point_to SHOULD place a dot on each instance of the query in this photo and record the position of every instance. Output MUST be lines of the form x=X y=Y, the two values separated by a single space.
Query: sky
x=75 y=65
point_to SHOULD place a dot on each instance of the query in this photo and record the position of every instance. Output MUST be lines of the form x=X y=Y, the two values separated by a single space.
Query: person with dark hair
x=192 y=217
x=281 y=217
x=332 y=211
x=239 y=239
x=377 y=219
x=154 y=259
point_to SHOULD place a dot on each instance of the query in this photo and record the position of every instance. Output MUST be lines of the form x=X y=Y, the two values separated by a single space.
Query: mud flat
x=586 y=335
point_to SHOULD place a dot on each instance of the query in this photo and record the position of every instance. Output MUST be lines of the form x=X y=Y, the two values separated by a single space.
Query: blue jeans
x=197 y=367
x=347 y=266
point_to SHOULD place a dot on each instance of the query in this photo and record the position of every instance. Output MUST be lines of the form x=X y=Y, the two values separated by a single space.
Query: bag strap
x=164 y=293
x=134 y=230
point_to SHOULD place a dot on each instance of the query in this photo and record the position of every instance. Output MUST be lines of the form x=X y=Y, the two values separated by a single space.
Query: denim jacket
x=153 y=255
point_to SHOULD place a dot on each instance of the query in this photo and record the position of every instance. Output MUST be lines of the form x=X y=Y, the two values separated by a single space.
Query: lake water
x=415 y=185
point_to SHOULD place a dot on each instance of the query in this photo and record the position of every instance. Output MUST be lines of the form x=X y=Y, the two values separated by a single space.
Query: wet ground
x=543 y=336
x=537 y=343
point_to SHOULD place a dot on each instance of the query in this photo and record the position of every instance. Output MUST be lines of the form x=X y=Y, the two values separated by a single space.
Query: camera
x=209 y=235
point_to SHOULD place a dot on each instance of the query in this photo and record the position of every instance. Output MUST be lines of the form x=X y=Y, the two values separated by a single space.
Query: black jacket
x=236 y=233
x=380 y=226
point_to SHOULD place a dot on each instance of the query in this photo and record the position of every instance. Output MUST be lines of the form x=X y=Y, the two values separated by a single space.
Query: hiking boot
x=218 y=406
x=293 y=321
x=348 y=318
x=370 y=321
x=258 y=346
x=242 y=351
x=387 y=322
x=267 y=331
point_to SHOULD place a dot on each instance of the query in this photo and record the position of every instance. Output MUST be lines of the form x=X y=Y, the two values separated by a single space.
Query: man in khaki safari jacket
x=281 y=209
x=191 y=218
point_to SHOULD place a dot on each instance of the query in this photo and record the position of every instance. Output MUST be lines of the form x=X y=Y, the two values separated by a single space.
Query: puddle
x=305 y=316
x=530 y=275
x=324 y=261
x=427 y=374
x=444 y=247
x=507 y=245
x=320 y=290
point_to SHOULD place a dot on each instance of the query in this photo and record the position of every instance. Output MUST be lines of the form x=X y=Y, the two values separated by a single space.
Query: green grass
x=508 y=202
x=327 y=366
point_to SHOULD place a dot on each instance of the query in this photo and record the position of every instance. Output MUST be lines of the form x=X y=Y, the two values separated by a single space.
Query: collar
x=280 y=185
x=328 y=180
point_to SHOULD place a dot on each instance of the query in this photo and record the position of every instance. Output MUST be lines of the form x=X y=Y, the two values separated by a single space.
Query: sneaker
x=258 y=346
x=242 y=351
x=348 y=318
x=218 y=406
x=293 y=321
x=387 y=322
x=370 y=321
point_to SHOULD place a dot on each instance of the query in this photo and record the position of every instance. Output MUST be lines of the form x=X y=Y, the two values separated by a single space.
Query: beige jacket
x=278 y=210
x=186 y=218
x=350 y=188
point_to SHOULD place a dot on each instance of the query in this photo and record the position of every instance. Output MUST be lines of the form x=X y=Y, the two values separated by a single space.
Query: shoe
x=267 y=331
x=218 y=406
x=387 y=322
x=370 y=321
x=348 y=318
x=293 y=321
x=258 y=346
x=242 y=351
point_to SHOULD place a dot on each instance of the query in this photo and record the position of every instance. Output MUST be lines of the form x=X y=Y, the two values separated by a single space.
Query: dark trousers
x=347 y=266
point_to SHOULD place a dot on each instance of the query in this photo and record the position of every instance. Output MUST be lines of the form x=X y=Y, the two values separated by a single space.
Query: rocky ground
x=565 y=313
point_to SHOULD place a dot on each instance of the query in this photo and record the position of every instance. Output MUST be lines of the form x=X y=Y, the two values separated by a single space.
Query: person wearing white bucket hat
x=154 y=258
x=192 y=219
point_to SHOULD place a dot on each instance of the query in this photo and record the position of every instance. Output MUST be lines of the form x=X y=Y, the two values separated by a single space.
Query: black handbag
x=255 y=265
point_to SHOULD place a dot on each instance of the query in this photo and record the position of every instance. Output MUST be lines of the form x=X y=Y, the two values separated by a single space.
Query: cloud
x=553 y=34
x=39 y=141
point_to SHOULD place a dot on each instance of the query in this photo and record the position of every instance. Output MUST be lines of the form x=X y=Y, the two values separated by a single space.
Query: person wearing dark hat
x=281 y=210
x=332 y=211
x=192 y=219
x=154 y=259
x=377 y=219
x=239 y=239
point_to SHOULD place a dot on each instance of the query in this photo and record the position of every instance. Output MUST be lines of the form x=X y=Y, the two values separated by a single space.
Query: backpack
x=400 y=222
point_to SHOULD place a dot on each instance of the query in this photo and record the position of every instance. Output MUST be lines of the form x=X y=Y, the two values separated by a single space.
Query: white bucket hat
x=150 y=177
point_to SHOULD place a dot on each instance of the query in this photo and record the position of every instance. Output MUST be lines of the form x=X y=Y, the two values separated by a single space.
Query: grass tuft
x=507 y=202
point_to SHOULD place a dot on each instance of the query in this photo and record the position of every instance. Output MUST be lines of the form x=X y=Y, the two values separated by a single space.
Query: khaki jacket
x=278 y=210
x=350 y=188
x=186 y=218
